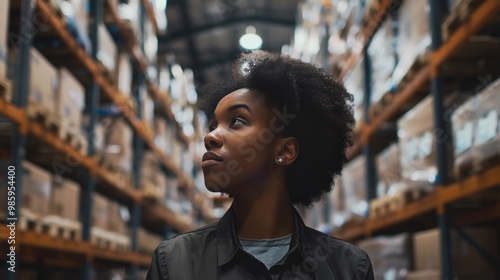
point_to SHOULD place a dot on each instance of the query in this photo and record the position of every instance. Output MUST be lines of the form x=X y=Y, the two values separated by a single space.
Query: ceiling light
x=250 y=41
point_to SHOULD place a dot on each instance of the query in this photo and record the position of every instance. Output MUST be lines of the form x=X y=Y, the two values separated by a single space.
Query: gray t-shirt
x=268 y=251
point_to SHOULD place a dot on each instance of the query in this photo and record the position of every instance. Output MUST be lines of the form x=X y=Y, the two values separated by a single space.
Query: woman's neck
x=268 y=216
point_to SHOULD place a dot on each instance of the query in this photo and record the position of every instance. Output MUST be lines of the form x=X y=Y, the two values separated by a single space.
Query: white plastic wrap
x=383 y=60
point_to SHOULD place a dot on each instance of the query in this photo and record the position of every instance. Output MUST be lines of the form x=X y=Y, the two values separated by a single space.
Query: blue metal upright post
x=371 y=173
x=437 y=9
x=26 y=33
x=91 y=106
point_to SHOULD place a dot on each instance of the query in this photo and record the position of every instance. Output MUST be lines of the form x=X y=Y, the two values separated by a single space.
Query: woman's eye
x=237 y=121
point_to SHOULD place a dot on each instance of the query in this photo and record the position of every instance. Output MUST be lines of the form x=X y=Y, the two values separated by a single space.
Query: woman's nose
x=213 y=140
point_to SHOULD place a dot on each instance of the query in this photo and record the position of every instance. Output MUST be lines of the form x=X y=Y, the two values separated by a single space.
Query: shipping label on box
x=70 y=99
x=44 y=81
x=36 y=189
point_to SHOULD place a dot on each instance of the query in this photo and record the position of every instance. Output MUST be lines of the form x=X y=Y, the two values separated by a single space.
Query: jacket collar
x=228 y=244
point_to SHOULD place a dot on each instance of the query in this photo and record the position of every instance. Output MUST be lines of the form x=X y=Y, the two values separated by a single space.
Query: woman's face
x=241 y=143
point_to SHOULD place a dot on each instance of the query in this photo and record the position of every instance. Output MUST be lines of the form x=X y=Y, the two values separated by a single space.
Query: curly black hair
x=324 y=117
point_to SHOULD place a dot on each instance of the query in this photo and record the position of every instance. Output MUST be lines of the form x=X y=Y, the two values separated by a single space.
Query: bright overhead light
x=250 y=41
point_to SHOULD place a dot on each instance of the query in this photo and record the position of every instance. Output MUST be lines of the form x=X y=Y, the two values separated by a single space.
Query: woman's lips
x=209 y=159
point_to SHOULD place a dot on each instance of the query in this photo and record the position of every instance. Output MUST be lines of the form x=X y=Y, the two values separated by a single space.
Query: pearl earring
x=280 y=160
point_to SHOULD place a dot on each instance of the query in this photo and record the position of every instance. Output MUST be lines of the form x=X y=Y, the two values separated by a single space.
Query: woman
x=277 y=137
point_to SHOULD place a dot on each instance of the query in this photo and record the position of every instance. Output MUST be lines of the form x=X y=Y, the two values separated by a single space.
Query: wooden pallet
x=54 y=226
x=384 y=206
x=460 y=13
x=105 y=239
x=40 y=113
x=5 y=90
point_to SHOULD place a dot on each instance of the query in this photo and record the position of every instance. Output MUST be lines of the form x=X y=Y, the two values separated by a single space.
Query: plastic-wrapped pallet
x=118 y=144
x=464 y=123
x=354 y=187
x=390 y=256
x=417 y=146
x=129 y=13
x=4 y=24
x=107 y=49
x=383 y=59
x=36 y=189
x=487 y=137
x=70 y=99
x=65 y=199
x=413 y=35
x=44 y=82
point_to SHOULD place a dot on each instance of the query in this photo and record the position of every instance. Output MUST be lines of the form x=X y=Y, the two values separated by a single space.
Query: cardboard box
x=4 y=24
x=107 y=49
x=118 y=144
x=118 y=218
x=464 y=125
x=147 y=109
x=65 y=200
x=44 y=81
x=388 y=169
x=70 y=99
x=467 y=263
x=124 y=74
x=100 y=211
x=161 y=133
x=424 y=275
x=36 y=189
x=354 y=187
x=390 y=256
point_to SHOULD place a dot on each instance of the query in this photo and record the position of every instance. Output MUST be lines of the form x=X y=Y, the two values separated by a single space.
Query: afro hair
x=324 y=117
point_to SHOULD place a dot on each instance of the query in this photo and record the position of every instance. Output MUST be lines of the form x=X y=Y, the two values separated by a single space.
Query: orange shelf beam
x=478 y=19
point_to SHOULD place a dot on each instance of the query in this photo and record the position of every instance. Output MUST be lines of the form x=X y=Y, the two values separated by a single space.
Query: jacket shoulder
x=187 y=240
x=343 y=253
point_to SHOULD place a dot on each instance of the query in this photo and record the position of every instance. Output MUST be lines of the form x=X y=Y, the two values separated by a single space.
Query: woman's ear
x=288 y=150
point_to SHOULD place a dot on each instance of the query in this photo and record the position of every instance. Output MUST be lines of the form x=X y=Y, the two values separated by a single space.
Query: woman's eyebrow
x=237 y=106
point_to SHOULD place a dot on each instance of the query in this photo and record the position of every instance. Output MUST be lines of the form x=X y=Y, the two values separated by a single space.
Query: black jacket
x=214 y=252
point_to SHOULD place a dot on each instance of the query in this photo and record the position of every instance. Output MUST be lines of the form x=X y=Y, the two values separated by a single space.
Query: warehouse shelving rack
x=434 y=208
x=143 y=213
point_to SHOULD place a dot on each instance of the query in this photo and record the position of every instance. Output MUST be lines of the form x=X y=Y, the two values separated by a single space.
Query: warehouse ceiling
x=203 y=34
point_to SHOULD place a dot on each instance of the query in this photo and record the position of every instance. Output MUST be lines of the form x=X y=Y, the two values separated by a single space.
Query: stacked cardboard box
x=44 y=82
x=69 y=99
x=129 y=13
x=161 y=134
x=65 y=199
x=118 y=218
x=388 y=170
x=77 y=19
x=100 y=211
x=153 y=180
x=390 y=256
x=147 y=110
x=118 y=144
x=467 y=262
x=36 y=189
x=4 y=24
x=147 y=242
